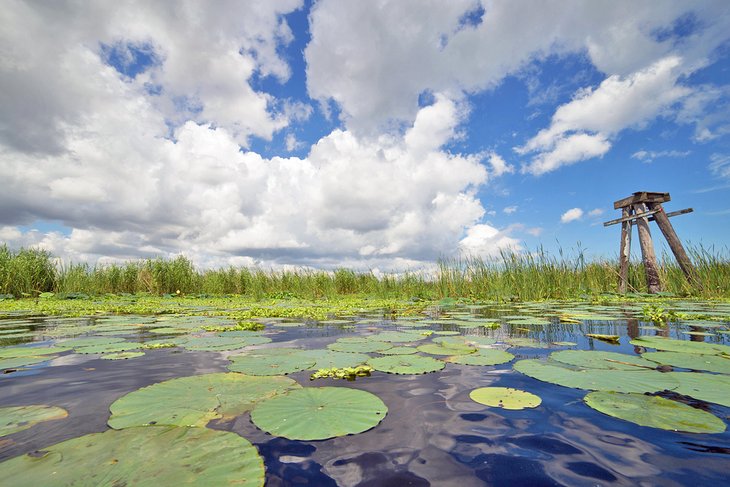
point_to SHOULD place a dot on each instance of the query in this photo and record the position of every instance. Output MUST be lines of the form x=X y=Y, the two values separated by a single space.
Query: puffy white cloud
x=596 y=212
x=581 y=129
x=126 y=191
x=509 y=209
x=486 y=241
x=374 y=62
x=572 y=214
x=499 y=166
x=199 y=62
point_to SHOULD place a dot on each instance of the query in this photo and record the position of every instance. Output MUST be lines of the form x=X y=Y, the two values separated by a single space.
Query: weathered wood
x=662 y=221
x=641 y=197
x=647 y=251
x=675 y=213
x=650 y=214
x=625 y=253
x=628 y=218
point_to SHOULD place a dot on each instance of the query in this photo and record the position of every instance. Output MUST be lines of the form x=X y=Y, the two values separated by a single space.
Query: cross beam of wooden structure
x=639 y=209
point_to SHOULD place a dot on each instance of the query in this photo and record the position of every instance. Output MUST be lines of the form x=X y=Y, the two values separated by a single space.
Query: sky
x=379 y=135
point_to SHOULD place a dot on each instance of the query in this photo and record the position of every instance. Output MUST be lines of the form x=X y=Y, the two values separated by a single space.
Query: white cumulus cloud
x=572 y=214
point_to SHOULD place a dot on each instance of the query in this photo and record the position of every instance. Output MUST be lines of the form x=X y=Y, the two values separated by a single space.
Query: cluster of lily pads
x=169 y=419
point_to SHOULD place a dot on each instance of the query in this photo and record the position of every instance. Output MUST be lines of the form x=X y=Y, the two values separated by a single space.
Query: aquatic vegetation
x=194 y=401
x=505 y=398
x=655 y=412
x=318 y=413
x=347 y=373
x=19 y=418
x=149 y=456
x=355 y=337
x=270 y=361
x=658 y=314
x=406 y=364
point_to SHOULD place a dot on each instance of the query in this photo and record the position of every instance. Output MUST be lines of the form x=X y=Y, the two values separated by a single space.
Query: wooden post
x=674 y=243
x=647 y=251
x=625 y=253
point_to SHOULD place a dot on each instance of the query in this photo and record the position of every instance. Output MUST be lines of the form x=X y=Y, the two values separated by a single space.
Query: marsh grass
x=510 y=276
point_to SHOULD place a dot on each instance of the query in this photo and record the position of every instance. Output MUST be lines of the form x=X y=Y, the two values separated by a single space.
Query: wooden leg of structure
x=625 y=252
x=675 y=244
x=647 y=251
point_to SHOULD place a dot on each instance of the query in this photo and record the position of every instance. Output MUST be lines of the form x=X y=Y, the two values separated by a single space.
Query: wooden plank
x=625 y=252
x=647 y=251
x=648 y=213
x=641 y=197
x=662 y=221
x=627 y=218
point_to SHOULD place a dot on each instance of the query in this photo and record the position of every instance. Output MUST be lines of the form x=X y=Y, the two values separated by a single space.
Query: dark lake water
x=433 y=434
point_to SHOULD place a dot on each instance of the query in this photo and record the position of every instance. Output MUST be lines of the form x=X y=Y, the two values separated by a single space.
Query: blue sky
x=373 y=135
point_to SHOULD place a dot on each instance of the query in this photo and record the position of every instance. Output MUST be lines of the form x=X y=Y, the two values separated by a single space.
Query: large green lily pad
x=115 y=347
x=398 y=336
x=19 y=418
x=404 y=350
x=194 y=401
x=447 y=348
x=359 y=347
x=597 y=379
x=705 y=387
x=15 y=362
x=16 y=352
x=318 y=413
x=594 y=359
x=270 y=361
x=219 y=344
x=406 y=364
x=505 y=397
x=151 y=456
x=655 y=412
x=483 y=356
x=328 y=359
x=684 y=346
x=694 y=361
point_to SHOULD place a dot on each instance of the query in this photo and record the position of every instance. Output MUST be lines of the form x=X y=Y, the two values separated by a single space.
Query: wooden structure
x=639 y=209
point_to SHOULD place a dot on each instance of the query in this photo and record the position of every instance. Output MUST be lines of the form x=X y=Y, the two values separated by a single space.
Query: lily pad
x=593 y=359
x=406 y=364
x=108 y=348
x=398 y=336
x=328 y=359
x=19 y=418
x=217 y=343
x=318 y=413
x=447 y=348
x=505 y=397
x=270 y=361
x=15 y=362
x=90 y=342
x=121 y=355
x=194 y=401
x=482 y=357
x=685 y=346
x=361 y=347
x=655 y=412
x=597 y=379
x=705 y=387
x=694 y=361
x=399 y=351
x=151 y=456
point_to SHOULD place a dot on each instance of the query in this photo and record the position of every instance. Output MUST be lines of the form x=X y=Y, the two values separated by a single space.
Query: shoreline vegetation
x=510 y=276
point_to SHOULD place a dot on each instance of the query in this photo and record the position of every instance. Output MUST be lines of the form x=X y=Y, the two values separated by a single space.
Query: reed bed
x=510 y=276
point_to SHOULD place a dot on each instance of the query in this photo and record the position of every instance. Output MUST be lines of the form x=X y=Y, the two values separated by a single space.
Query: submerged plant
x=658 y=315
x=349 y=373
